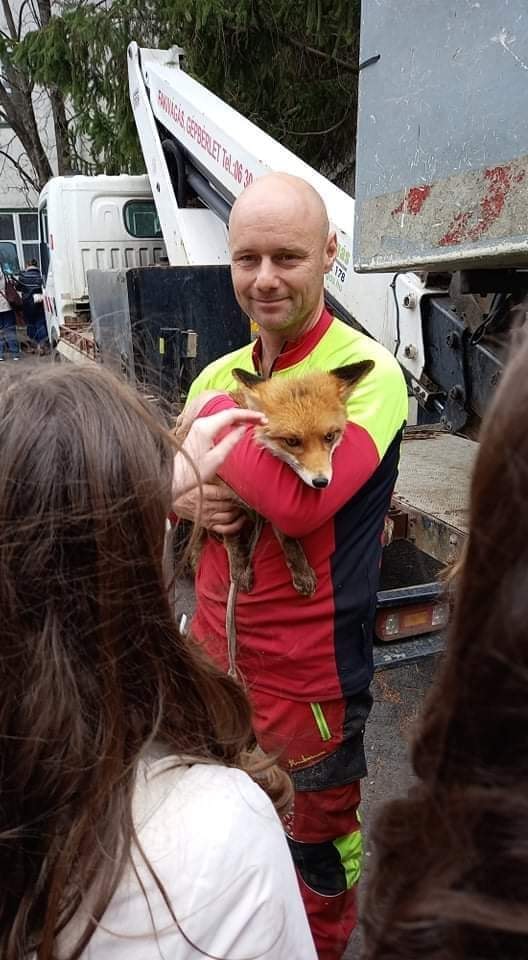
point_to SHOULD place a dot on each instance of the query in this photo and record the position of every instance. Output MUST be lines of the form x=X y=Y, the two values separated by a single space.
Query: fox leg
x=239 y=568
x=240 y=551
x=303 y=577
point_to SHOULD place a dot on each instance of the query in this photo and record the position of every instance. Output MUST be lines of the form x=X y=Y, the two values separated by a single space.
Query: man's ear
x=330 y=252
x=349 y=376
x=248 y=395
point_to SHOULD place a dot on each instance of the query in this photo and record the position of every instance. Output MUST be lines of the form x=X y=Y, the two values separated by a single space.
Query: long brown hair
x=93 y=667
x=450 y=878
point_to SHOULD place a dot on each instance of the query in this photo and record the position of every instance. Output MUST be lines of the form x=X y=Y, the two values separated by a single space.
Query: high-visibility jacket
x=319 y=647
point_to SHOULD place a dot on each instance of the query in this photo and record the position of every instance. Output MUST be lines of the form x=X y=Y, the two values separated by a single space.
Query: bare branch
x=10 y=20
x=20 y=14
x=44 y=8
x=34 y=12
x=20 y=169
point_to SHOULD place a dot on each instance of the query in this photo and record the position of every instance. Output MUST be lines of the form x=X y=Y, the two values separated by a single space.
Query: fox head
x=306 y=416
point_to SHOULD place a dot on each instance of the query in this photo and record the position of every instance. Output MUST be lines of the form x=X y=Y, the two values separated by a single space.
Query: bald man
x=306 y=661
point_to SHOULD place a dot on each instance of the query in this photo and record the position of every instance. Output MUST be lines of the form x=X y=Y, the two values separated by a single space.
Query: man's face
x=279 y=259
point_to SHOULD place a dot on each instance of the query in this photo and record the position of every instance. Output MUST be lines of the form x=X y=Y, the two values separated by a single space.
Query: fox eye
x=293 y=441
x=330 y=437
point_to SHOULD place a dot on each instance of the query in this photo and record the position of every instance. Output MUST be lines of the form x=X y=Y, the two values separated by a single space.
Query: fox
x=306 y=418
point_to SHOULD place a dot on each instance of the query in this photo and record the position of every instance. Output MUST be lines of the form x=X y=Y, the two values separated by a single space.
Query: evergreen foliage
x=288 y=65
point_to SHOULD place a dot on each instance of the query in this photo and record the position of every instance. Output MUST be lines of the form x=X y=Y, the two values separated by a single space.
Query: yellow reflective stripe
x=320 y=720
x=350 y=849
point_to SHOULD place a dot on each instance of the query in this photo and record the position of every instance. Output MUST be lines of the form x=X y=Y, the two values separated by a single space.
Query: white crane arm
x=230 y=152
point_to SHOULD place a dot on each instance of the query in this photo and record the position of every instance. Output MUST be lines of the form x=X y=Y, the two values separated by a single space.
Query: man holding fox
x=319 y=472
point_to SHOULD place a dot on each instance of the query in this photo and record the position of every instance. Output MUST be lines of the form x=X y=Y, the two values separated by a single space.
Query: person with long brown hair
x=450 y=879
x=128 y=825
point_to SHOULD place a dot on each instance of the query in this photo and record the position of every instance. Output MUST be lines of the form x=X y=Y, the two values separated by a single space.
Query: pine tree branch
x=322 y=54
x=318 y=133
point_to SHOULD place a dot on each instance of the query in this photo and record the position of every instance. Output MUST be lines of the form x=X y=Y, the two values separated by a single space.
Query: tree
x=21 y=103
x=288 y=65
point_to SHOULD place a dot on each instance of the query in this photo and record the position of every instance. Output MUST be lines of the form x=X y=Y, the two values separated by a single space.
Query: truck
x=431 y=256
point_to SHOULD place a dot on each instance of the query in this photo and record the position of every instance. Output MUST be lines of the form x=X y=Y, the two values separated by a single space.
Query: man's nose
x=320 y=482
x=266 y=275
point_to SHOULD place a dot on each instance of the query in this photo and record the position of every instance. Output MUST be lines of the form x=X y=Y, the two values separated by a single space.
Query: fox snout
x=306 y=416
x=320 y=482
x=316 y=474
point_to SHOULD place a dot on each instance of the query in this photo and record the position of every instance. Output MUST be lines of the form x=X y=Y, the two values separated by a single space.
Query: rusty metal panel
x=442 y=147
x=433 y=488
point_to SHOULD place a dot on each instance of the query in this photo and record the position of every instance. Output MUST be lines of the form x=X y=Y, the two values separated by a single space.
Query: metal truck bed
x=442 y=146
x=432 y=490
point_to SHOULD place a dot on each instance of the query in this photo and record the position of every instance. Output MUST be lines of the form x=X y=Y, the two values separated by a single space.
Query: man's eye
x=330 y=437
x=292 y=441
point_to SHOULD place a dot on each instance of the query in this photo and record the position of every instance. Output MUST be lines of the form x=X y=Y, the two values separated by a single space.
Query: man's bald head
x=281 y=248
x=285 y=191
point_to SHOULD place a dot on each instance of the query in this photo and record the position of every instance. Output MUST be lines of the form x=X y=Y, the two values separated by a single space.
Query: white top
x=218 y=847
x=4 y=302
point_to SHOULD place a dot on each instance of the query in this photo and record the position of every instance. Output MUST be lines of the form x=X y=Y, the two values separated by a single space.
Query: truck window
x=141 y=219
x=44 y=248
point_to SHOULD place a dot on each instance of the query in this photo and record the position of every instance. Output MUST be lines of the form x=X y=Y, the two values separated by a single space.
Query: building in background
x=18 y=189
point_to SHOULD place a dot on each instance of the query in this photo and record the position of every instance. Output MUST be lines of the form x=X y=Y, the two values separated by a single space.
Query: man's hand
x=217 y=510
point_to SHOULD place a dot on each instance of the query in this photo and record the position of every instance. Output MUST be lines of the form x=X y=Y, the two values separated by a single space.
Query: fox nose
x=320 y=482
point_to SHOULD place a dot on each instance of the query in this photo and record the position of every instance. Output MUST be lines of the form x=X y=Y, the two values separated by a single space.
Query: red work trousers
x=321 y=746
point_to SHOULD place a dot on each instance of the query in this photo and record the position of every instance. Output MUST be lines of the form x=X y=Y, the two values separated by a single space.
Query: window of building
x=29 y=236
x=9 y=257
x=19 y=240
x=7 y=226
x=141 y=219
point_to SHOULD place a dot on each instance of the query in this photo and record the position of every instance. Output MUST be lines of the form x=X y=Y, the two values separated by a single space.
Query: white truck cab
x=88 y=223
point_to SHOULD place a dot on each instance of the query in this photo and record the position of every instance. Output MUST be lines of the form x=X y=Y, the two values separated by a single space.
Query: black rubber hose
x=176 y=166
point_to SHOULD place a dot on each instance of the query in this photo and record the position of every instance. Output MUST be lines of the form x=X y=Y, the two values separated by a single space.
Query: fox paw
x=305 y=583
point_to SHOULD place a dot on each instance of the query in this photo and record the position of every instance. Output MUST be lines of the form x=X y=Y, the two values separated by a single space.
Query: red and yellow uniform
x=307 y=662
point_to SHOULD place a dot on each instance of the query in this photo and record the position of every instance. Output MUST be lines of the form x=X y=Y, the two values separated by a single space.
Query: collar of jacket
x=296 y=350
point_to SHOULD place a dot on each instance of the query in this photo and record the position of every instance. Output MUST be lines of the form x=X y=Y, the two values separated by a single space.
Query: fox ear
x=350 y=375
x=247 y=379
x=248 y=395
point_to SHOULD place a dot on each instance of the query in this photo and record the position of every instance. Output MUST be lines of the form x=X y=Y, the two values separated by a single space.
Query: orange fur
x=306 y=416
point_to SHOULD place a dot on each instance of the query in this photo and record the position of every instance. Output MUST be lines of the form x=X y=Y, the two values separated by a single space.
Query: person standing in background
x=8 y=335
x=29 y=283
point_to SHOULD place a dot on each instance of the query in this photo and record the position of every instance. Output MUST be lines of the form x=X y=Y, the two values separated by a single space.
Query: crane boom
x=222 y=153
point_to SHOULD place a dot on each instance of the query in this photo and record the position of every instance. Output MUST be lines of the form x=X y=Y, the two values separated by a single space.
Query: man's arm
x=274 y=490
